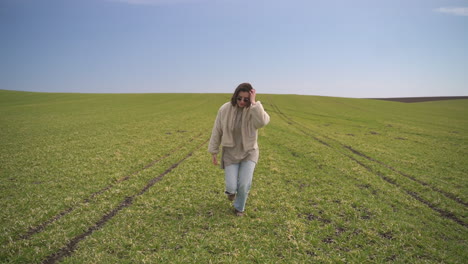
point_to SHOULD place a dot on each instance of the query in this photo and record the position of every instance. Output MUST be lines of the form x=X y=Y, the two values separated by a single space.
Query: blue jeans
x=238 y=180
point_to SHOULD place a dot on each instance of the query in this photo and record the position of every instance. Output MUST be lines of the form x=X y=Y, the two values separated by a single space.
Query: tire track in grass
x=37 y=229
x=292 y=122
x=421 y=182
x=415 y=195
x=359 y=183
x=68 y=250
x=450 y=196
x=446 y=194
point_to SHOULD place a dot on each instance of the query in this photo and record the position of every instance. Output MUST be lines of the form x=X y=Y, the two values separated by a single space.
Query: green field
x=126 y=178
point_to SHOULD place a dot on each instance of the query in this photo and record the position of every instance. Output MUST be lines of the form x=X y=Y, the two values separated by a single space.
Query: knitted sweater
x=253 y=118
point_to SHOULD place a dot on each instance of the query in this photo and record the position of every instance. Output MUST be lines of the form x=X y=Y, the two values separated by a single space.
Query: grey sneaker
x=239 y=213
x=231 y=196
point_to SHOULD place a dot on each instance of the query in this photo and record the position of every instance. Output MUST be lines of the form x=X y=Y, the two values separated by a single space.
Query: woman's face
x=243 y=99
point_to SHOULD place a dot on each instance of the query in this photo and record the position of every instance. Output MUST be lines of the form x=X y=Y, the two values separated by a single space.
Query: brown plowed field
x=421 y=99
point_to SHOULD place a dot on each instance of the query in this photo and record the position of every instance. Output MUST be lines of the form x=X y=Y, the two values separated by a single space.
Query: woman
x=235 y=129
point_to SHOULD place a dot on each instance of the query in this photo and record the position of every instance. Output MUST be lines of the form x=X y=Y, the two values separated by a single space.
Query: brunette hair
x=243 y=87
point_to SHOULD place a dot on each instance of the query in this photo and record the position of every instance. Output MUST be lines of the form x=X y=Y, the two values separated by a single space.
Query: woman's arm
x=260 y=118
x=216 y=135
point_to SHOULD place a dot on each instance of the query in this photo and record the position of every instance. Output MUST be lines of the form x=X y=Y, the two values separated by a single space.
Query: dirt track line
x=415 y=195
x=71 y=246
x=360 y=182
x=292 y=122
x=442 y=212
x=444 y=193
x=37 y=229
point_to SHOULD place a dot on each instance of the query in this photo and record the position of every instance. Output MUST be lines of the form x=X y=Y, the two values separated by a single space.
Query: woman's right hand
x=215 y=159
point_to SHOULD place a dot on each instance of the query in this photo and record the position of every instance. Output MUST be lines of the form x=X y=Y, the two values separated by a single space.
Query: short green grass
x=339 y=180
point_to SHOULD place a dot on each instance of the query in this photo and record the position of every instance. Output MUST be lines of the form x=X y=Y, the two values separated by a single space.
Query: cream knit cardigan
x=253 y=118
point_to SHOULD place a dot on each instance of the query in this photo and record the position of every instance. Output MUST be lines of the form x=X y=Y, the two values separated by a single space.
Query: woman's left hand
x=253 y=94
x=214 y=159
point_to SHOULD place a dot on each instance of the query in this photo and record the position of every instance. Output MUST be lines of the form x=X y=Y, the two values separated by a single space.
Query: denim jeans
x=238 y=180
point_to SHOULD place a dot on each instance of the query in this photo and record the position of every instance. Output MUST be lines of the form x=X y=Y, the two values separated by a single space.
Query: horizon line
x=123 y=93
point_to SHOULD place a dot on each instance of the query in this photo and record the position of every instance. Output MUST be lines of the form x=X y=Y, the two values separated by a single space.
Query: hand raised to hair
x=253 y=94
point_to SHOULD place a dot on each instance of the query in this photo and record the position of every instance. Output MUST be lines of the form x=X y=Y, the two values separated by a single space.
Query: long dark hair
x=243 y=87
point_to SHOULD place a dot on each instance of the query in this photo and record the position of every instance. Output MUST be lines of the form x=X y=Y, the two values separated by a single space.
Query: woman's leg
x=231 y=177
x=246 y=170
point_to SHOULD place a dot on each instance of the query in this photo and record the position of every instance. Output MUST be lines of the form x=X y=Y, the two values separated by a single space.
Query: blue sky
x=359 y=48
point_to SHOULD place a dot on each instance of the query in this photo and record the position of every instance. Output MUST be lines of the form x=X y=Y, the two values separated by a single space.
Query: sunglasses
x=245 y=99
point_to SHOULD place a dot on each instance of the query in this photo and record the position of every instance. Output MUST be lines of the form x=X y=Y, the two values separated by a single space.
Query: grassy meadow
x=126 y=178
